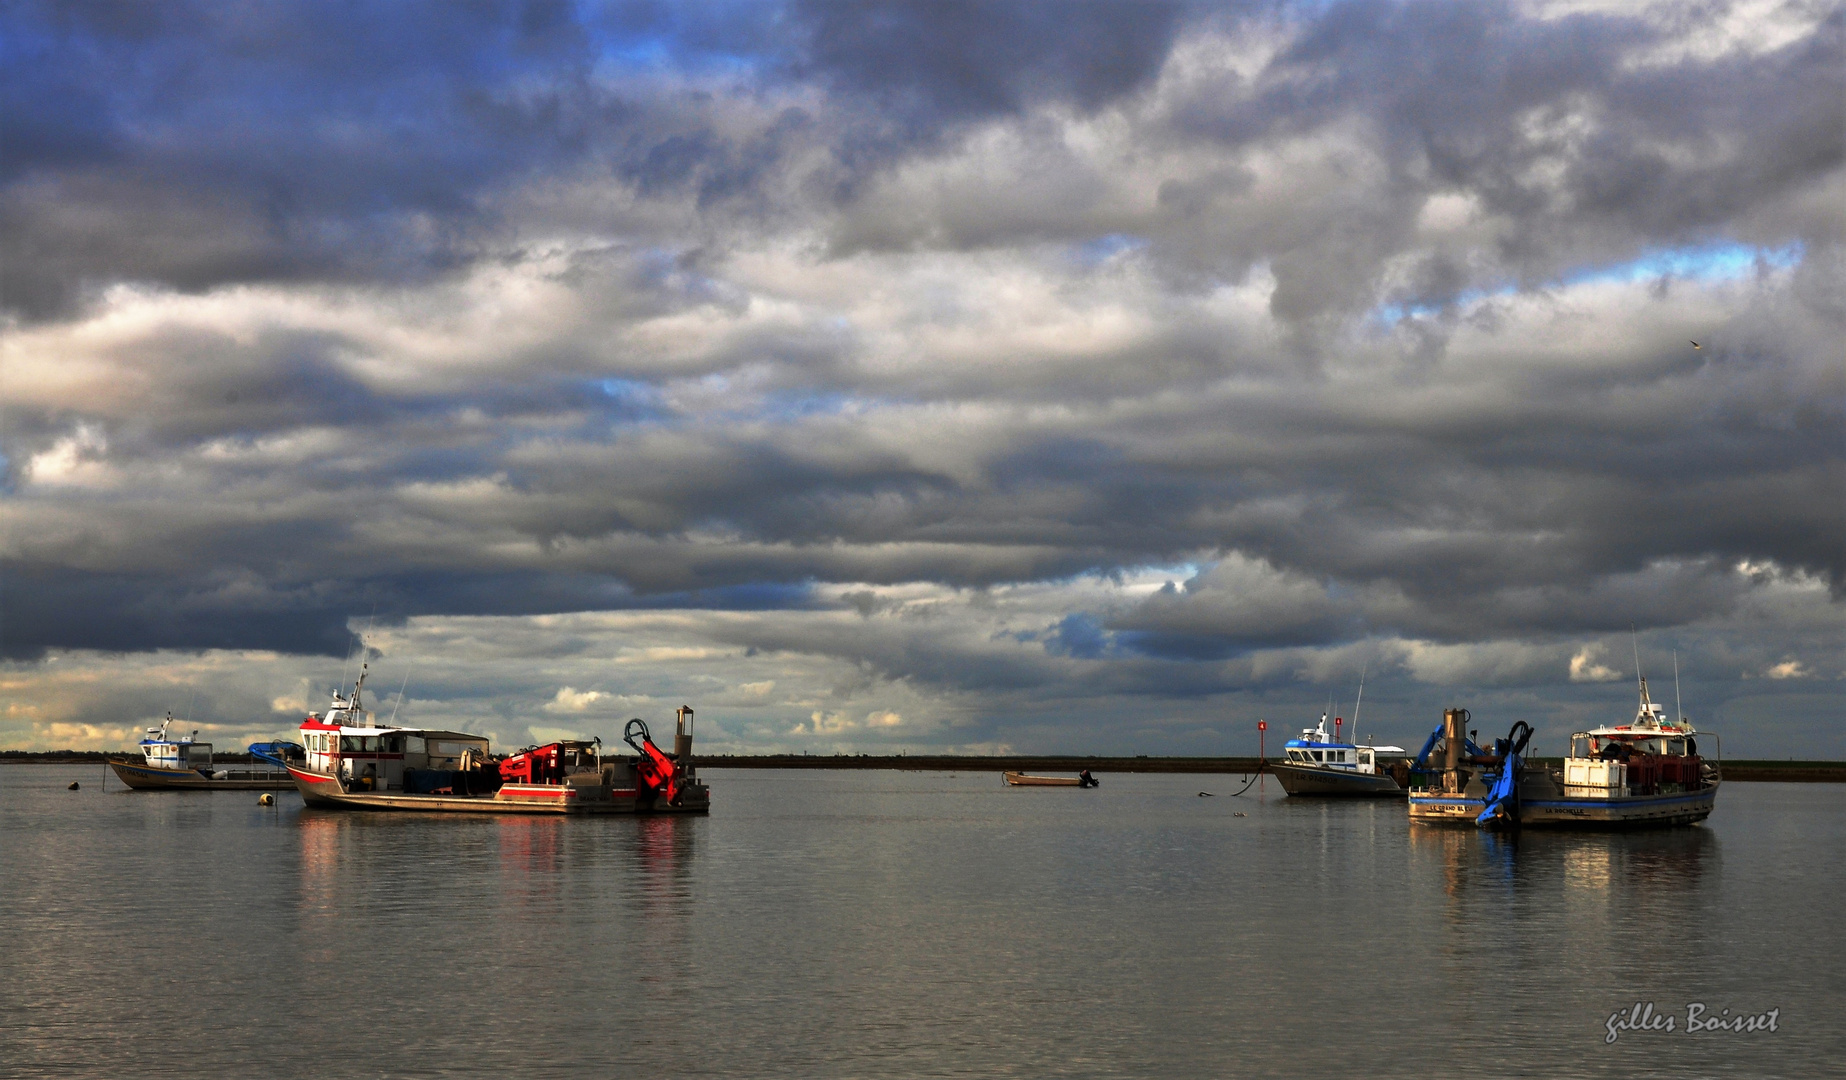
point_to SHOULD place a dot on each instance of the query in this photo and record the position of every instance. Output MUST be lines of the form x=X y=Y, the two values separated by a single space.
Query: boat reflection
x=662 y=888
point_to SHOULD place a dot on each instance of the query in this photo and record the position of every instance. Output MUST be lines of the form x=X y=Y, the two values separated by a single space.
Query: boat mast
x=1677 y=706
x=1360 y=700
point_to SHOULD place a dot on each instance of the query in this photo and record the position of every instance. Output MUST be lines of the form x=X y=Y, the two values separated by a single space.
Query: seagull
x=1695 y=344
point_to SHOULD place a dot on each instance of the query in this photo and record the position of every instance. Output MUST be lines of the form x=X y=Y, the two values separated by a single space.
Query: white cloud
x=1787 y=669
x=571 y=700
x=1585 y=668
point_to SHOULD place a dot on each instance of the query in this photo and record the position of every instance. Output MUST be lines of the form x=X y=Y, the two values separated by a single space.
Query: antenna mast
x=400 y=697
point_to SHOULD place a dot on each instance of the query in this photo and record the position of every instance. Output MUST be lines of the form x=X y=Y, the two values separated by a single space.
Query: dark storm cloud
x=519 y=309
x=201 y=144
x=196 y=145
x=1585 y=156
x=938 y=61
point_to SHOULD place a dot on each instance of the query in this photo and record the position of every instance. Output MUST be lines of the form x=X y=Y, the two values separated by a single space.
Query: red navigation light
x=1262 y=725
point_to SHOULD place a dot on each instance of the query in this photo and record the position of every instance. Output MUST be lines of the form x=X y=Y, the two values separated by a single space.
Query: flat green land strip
x=1746 y=770
x=1782 y=771
x=1069 y=765
x=1788 y=772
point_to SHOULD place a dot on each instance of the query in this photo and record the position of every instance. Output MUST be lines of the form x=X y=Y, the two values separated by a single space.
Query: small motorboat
x=1081 y=780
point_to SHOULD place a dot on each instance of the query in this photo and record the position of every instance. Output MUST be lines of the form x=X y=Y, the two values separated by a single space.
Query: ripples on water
x=886 y=924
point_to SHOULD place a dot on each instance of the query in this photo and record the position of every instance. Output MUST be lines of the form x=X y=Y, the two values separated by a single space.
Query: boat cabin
x=374 y=759
x=344 y=743
x=1316 y=749
x=1650 y=756
x=182 y=753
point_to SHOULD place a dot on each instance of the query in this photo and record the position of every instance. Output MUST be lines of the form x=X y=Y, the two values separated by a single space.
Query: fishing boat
x=1646 y=774
x=353 y=765
x=1081 y=780
x=183 y=763
x=1320 y=764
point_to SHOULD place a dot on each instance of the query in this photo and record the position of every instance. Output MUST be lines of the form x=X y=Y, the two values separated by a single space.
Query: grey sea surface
x=893 y=924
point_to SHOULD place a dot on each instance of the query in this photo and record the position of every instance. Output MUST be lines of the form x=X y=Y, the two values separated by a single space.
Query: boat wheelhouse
x=1650 y=773
x=1320 y=764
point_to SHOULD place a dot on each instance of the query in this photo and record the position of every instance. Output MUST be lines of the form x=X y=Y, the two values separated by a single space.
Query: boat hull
x=147 y=778
x=324 y=792
x=1564 y=812
x=1339 y=783
x=1014 y=779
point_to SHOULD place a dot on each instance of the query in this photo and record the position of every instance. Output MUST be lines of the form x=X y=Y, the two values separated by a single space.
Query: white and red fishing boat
x=354 y=765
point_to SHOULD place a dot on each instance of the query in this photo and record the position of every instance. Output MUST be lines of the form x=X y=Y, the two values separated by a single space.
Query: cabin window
x=413 y=744
x=1318 y=756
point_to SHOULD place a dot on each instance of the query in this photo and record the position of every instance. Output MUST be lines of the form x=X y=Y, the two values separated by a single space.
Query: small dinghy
x=1019 y=779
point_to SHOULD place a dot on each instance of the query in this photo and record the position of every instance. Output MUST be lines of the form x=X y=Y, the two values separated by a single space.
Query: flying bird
x=1696 y=345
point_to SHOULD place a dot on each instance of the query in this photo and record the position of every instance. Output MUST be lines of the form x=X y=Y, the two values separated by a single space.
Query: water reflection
x=662 y=874
x=317 y=895
x=531 y=861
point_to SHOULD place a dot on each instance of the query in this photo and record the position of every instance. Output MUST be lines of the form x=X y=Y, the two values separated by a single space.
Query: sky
x=1089 y=378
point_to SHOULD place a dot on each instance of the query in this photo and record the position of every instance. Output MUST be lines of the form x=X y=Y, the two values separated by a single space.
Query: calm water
x=874 y=924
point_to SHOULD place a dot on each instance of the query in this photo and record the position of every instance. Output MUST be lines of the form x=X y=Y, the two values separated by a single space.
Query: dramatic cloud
x=1054 y=376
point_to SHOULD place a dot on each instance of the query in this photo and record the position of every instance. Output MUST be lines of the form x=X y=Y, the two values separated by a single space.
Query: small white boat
x=1318 y=764
x=183 y=763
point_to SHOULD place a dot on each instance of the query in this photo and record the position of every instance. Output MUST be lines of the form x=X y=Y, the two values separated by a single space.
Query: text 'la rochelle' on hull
x=1645 y=774
x=352 y=765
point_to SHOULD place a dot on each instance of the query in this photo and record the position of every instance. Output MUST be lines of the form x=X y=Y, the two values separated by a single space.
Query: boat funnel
x=1454 y=737
x=682 y=736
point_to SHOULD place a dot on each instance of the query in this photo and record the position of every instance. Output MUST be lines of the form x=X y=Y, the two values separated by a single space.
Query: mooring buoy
x=1206 y=795
x=266 y=799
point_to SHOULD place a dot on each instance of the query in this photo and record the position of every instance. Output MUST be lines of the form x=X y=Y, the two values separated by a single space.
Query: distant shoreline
x=1741 y=770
